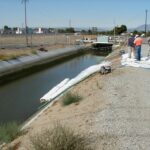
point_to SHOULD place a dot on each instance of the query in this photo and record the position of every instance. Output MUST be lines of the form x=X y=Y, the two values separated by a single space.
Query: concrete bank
x=15 y=66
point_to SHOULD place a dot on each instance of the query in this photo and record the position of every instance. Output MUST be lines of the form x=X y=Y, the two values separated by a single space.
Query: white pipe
x=66 y=84
x=47 y=97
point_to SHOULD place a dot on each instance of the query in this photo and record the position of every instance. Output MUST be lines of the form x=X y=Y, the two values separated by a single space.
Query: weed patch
x=59 y=138
x=9 y=131
x=70 y=98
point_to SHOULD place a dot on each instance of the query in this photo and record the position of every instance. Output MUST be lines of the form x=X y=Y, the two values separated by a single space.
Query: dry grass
x=6 y=55
x=48 y=42
x=13 y=53
x=9 y=131
x=59 y=138
x=42 y=39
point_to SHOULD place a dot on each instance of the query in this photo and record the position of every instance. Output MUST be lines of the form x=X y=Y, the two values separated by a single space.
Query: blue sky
x=83 y=13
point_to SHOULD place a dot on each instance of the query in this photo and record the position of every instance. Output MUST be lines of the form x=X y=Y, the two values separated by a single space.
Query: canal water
x=21 y=98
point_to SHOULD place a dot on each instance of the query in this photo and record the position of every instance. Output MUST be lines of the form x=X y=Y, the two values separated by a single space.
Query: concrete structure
x=25 y=62
x=103 y=39
x=102 y=44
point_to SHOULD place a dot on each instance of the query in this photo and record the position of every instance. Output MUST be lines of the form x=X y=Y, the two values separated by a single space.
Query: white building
x=19 y=31
x=39 y=31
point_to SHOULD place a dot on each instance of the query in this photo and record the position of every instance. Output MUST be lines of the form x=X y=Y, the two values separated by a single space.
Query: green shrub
x=59 y=138
x=9 y=131
x=3 y=57
x=34 y=52
x=70 y=98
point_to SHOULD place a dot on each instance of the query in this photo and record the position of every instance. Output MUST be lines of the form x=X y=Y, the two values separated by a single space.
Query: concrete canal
x=20 y=99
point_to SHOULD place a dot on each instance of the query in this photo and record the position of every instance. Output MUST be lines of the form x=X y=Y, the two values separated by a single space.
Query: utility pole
x=69 y=23
x=26 y=27
x=146 y=22
x=114 y=31
x=68 y=36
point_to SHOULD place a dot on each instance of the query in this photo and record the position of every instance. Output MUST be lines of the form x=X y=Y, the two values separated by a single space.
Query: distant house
x=39 y=31
x=51 y=30
x=8 y=31
x=1 y=31
x=19 y=31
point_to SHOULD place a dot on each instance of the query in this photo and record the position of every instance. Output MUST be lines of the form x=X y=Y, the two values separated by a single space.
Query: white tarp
x=54 y=90
x=66 y=84
x=144 y=63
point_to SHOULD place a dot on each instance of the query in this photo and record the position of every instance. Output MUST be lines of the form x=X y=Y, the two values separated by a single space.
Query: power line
x=69 y=23
x=26 y=27
x=146 y=11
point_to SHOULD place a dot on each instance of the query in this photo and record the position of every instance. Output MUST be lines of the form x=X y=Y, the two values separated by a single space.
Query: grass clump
x=70 y=98
x=33 y=52
x=9 y=131
x=59 y=138
x=3 y=57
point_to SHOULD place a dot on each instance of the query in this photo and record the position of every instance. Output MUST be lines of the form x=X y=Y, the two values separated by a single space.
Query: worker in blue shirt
x=131 y=45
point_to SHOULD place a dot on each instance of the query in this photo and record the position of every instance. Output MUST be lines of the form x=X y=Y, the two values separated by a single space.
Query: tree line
x=118 y=30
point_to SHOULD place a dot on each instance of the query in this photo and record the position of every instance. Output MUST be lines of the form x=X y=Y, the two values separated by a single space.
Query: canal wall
x=12 y=68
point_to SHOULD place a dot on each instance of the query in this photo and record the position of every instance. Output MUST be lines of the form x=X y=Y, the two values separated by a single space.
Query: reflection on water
x=20 y=99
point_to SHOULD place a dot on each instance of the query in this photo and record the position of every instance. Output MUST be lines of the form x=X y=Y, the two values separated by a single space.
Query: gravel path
x=125 y=123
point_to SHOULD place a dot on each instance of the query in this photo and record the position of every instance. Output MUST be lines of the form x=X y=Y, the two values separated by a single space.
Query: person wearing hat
x=138 y=44
x=131 y=45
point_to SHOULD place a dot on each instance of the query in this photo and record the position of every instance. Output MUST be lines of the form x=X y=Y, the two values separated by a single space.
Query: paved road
x=125 y=123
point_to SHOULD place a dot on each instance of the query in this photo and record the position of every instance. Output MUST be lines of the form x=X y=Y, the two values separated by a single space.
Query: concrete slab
x=14 y=61
x=4 y=64
x=27 y=61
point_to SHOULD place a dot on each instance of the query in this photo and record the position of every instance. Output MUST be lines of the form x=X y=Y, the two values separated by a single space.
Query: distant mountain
x=140 y=28
x=87 y=28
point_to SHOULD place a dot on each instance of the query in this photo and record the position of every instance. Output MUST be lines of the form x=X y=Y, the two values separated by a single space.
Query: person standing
x=131 y=45
x=138 y=44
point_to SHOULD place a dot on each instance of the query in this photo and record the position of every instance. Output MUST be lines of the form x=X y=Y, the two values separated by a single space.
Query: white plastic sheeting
x=66 y=84
x=144 y=63
x=54 y=90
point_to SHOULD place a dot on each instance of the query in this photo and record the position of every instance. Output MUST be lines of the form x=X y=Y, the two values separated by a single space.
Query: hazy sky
x=83 y=13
